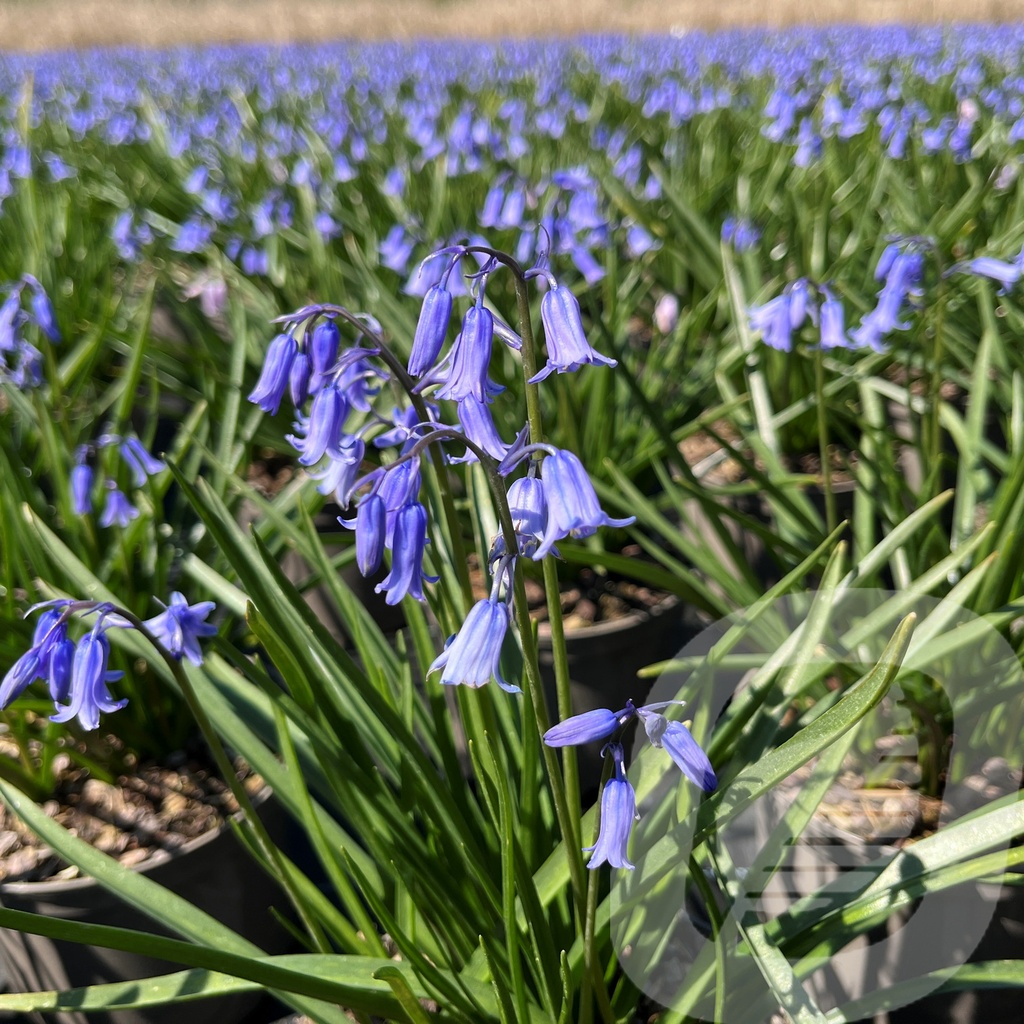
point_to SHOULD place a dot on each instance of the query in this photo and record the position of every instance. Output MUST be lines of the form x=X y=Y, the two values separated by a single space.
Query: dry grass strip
x=61 y=24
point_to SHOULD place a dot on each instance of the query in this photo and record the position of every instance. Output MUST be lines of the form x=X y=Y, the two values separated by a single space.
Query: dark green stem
x=826 y=462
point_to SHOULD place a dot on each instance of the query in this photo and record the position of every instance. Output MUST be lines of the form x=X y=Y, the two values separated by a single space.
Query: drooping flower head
x=471 y=657
x=568 y=348
x=618 y=813
x=572 y=506
x=672 y=736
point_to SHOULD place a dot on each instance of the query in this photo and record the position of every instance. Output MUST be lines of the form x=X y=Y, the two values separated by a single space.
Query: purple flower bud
x=568 y=348
x=431 y=328
x=591 y=725
x=618 y=812
x=323 y=349
x=273 y=380
x=573 y=509
x=472 y=656
x=470 y=357
x=81 y=488
x=406 y=576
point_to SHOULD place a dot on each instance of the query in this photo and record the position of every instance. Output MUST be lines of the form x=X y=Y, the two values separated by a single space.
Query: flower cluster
x=76 y=673
x=618 y=800
x=555 y=499
x=117 y=509
x=21 y=362
x=900 y=268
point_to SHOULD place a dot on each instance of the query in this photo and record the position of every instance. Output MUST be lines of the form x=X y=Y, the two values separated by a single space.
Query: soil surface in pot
x=156 y=807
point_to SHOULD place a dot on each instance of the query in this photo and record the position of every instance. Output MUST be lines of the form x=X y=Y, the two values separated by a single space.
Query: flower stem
x=826 y=462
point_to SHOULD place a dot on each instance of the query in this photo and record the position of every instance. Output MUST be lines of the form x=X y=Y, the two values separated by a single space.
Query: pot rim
x=158 y=858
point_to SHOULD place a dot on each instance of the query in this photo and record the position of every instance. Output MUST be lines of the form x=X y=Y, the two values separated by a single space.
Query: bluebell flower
x=431 y=329
x=396 y=249
x=326 y=226
x=180 y=625
x=833 y=328
x=341 y=473
x=326 y=419
x=193 y=236
x=679 y=744
x=478 y=425
x=618 y=812
x=672 y=736
x=400 y=487
x=118 y=509
x=591 y=270
x=273 y=382
x=471 y=657
x=741 y=233
x=573 y=509
x=588 y=727
x=37 y=662
x=470 y=356
x=568 y=348
x=138 y=460
x=640 y=241
x=370 y=525
x=410 y=538
x=513 y=208
x=493 y=202
x=902 y=270
x=1006 y=273
x=81 y=489
x=779 y=317
x=58 y=669
x=89 y=695
x=42 y=309
x=529 y=517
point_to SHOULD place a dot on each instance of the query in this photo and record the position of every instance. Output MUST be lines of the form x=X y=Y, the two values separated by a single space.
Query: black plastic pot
x=213 y=872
